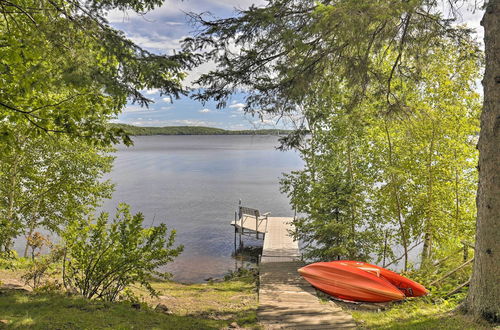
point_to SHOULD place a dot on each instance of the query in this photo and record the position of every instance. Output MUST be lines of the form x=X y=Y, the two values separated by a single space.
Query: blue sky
x=161 y=31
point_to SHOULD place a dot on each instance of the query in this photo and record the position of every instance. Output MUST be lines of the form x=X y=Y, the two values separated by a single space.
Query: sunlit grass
x=193 y=306
x=418 y=314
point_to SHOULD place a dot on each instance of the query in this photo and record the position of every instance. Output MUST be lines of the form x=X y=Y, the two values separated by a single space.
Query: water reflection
x=193 y=184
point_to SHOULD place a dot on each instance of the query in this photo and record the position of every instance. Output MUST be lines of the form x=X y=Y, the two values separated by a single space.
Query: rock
x=14 y=286
x=234 y=325
x=162 y=308
x=136 y=306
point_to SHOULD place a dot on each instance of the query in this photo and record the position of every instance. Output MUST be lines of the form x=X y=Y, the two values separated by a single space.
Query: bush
x=40 y=268
x=7 y=259
x=101 y=260
x=40 y=274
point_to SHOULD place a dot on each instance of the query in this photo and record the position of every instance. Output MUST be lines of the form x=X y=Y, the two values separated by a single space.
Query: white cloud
x=137 y=109
x=171 y=10
x=239 y=106
x=196 y=73
x=240 y=127
x=265 y=122
x=167 y=99
x=152 y=91
x=118 y=16
x=178 y=122
x=174 y=9
x=132 y=108
x=241 y=4
x=156 y=41
x=205 y=110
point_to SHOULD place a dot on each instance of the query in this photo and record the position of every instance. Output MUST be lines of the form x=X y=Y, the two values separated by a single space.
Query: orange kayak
x=408 y=287
x=346 y=282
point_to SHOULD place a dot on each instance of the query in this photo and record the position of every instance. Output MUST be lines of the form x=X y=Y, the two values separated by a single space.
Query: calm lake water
x=193 y=184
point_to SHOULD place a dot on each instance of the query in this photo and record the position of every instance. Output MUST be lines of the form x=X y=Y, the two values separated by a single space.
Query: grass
x=234 y=300
x=418 y=314
x=212 y=305
x=193 y=306
x=52 y=311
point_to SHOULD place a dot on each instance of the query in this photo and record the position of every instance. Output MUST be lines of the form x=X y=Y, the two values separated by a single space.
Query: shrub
x=101 y=260
x=35 y=242
x=39 y=267
x=42 y=269
x=7 y=259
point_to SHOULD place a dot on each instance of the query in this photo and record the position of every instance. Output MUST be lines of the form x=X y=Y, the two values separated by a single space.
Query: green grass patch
x=418 y=314
x=193 y=306
x=21 y=309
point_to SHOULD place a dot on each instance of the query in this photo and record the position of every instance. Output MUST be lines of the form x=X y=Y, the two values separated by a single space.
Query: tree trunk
x=11 y=201
x=427 y=248
x=484 y=292
x=429 y=219
x=398 y=209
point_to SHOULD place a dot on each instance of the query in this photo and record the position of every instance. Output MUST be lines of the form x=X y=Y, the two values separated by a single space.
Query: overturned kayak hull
x=350 y=283
x=408 y=287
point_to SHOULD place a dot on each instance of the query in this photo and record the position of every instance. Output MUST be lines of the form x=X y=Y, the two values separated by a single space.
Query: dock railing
x=245 y=213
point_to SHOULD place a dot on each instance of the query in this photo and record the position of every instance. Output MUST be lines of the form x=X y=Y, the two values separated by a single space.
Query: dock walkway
x=286 y=300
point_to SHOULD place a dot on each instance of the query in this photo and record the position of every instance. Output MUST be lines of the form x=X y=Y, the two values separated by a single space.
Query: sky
x=161 y=31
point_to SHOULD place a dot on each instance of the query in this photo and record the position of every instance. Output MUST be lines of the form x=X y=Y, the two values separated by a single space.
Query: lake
x=193 y=184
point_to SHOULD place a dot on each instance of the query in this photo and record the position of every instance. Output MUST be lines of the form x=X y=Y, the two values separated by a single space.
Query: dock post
x=256 y=226
x=235 y=229
x=240 y=216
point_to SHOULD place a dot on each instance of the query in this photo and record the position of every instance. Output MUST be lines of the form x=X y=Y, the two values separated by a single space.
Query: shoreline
x=193 y=130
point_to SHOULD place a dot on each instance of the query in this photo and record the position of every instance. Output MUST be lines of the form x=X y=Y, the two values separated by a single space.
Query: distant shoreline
x=192 y=130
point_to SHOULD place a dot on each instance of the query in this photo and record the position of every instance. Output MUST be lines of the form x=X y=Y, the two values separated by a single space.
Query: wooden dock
x=286 y=300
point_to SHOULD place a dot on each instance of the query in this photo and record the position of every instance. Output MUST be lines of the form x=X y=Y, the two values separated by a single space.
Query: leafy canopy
x=280 y=52
x=379 y=87
x=65 y=69
x=47 y=180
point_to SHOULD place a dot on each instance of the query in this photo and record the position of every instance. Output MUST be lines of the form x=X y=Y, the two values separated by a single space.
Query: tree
x=401 y=176
x=48 y=180
x=484 y=286
x=65 y=70
x=285 y=48
x=331 y=190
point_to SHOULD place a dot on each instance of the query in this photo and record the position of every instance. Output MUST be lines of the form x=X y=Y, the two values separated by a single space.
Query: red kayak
x=408 y=287
x=346 y=282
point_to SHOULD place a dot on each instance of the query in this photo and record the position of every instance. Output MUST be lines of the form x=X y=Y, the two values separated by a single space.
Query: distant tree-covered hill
x=193 y=130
